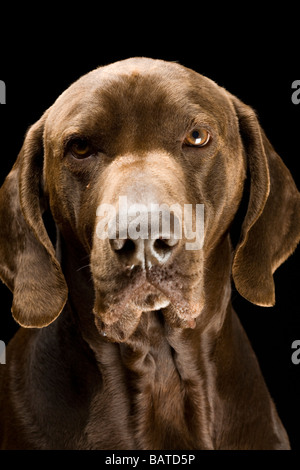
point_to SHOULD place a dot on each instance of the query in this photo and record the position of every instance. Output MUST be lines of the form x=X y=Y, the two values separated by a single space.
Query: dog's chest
x=167 y=406
x=159 y=403
x=156 y=399
x=152 y=395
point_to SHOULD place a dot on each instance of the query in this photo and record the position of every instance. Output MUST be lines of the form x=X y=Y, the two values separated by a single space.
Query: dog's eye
x=80 y=148
x=197 y=138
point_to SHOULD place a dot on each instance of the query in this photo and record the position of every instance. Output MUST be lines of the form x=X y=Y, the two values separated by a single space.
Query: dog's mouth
x=118 y=311
x=152 y=301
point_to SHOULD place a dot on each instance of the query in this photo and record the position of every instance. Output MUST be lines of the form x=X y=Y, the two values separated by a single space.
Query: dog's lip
x=140 y=289
x=121 y=301
x=114 y=333
x=157 y=276
x=143 y=297
x=152 y=302
x=117 y=317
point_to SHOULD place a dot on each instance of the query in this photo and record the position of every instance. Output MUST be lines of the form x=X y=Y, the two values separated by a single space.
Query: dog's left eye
x=80 y=148
x=197 y=138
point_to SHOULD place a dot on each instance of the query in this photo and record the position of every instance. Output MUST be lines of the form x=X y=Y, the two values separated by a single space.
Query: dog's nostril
x=121 y=246
x=170 y=242
x=161 y=249
x=164 y=244
x=116 y=244
x=129 y=252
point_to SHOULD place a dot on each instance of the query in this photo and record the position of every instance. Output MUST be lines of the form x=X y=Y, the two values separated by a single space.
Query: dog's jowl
x=128 y=339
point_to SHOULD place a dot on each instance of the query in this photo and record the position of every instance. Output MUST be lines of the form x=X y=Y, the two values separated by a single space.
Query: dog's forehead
x=138 y=83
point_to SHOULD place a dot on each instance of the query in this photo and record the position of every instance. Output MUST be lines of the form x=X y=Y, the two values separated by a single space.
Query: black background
x=257 y=62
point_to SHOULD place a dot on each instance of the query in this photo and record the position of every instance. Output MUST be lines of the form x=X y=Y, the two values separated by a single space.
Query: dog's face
x=151 y=134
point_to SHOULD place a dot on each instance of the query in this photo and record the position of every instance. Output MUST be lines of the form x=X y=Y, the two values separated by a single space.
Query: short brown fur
x=96 y=364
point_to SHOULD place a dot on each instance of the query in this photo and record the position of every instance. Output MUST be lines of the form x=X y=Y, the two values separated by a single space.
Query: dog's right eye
x=197 y=138
x=80 y=148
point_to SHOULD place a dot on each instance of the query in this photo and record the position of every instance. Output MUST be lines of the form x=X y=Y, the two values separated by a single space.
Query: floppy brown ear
x=28 y=265
x=271 y=228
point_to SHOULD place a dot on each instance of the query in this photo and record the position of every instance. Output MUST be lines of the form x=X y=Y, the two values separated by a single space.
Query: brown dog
x=131 y=342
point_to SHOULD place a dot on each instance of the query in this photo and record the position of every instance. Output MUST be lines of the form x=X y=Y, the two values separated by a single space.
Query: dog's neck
x=161 y=361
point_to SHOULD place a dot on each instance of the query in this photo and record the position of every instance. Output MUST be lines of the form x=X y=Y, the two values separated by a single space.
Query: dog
x=128 y=341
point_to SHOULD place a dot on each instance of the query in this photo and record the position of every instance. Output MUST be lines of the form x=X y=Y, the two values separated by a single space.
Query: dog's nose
x=142 y=252
x=145 y=248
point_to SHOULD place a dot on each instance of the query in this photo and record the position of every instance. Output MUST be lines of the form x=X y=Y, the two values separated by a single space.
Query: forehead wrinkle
x=115 y=101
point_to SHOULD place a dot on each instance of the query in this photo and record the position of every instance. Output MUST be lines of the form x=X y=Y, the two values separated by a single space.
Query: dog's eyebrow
x=201 y=119
x=72 y=134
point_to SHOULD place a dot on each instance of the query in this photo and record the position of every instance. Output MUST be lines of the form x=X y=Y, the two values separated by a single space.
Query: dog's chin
x=152 y=302
x=118 y=322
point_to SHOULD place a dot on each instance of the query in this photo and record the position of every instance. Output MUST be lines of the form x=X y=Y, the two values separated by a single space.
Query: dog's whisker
x=83 y=267
x=85 y=257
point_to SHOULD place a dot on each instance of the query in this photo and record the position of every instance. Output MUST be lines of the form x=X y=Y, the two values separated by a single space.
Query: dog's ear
x=271 y=228
x=28 y=265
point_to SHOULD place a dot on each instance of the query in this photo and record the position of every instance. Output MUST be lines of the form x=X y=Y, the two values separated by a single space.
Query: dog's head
x=143 y=165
